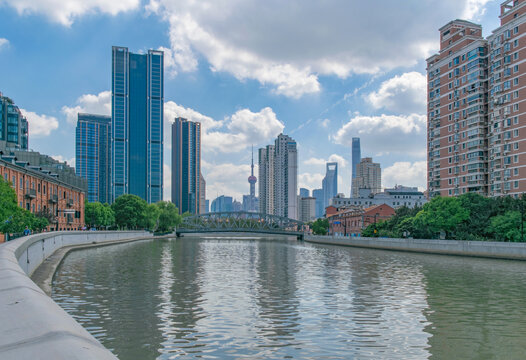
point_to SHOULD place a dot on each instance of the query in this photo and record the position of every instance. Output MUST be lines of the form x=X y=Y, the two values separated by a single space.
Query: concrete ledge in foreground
x=32 y=325
x=487 y=249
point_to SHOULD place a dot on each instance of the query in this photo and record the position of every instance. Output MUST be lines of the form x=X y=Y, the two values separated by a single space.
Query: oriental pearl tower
x=252 y=181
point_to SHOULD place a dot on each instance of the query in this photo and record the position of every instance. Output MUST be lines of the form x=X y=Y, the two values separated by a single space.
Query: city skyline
x=322 y=101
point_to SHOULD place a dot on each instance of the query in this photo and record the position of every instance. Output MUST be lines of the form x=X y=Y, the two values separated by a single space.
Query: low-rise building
x=42 y=192
x=307 y=209
x=395 y=197
x=351 y=222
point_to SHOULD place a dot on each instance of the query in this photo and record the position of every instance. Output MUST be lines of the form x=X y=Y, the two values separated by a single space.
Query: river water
x=272 y=299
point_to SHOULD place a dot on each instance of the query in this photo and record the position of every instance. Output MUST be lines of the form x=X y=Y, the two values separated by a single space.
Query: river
x=212 y=298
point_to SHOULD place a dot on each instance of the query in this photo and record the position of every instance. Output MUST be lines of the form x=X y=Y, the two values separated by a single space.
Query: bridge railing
x=241 y=220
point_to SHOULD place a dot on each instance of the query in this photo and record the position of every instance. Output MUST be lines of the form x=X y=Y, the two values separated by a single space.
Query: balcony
x=69 y=203
x=53 y=199
x=31 y=193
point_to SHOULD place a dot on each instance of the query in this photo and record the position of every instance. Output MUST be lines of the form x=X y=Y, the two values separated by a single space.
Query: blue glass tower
x=13 y=125
x=186 y=165
x=356 y=157
x=137 y=119
x=92 y=155
x=330 y=183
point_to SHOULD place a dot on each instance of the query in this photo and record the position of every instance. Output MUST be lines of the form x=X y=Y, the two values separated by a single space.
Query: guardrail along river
x=240 y=298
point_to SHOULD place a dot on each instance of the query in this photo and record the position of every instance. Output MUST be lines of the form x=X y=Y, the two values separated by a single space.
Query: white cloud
x=226 y=179
x=404 y=94
x=232 y=134
x=99 y=104
x=66 y=11
x=310 y=181
x=405 y=173
x=70 y=162
x=322 y=162
x=325 y=123
x=474 y=9
x=4 y=43
x=278 y=46
x=386 y=134
x=40 y=125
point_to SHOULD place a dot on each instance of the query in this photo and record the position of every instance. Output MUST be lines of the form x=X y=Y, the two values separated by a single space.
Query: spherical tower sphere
x=252 y=179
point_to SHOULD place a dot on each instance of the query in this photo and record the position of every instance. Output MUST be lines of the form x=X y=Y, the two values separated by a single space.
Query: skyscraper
x=368 y=176
x=278 y=178
x=304 y=192
x=92 y=155
x=13 y=125
x=356 y=157
x=319 y=209
x=202 y=195
x=330 y=183
x=137 y=124
x=186 y=166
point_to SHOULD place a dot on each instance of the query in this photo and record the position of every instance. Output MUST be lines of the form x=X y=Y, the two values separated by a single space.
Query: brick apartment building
x=351 y=222
x=476 y=108
x=39 y=190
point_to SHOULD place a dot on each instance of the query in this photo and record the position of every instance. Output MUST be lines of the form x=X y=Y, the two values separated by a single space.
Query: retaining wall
x=32 y=325
x=489 y=249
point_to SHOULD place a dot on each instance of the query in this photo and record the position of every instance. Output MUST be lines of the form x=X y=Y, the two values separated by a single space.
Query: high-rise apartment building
x=368 y=176
x=202 y=195
x=304 y=192
x=356 y=157
x=476 y=108
x=186 y=166
x=330 y=183
x=92 y=155
x=278 y=175
x=266 y=179
x=137 y=124
x=13 y=125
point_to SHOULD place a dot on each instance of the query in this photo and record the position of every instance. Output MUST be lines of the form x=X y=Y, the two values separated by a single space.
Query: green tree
x=17 y=221
x=130 y=211
x=39 y=223
x=98 y=215
x=169 y=216
x=8 y=204
x=151 y=217
x=506 y=227
x=440 y=214
x=320 y=226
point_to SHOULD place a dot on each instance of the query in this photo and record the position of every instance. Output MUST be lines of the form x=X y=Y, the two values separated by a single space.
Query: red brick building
x=40 y=191
x=351 y=222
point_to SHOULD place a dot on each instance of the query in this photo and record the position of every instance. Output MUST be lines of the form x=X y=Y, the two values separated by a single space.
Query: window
x=516 y=81
x=516 y=184
x=515 y=158
x=515 y=43
x=516 y=146
x=515 y=68
x=39 y=188
x=515 y=56
x=515 y=29
x=515 y=107
x=516 y=171
x=515 y=94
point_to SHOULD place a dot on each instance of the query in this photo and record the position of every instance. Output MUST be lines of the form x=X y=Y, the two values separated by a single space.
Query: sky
x=321 y=72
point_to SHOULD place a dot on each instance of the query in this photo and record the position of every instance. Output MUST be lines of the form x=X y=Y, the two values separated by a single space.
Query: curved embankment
x=32 y=325
x=487 y=249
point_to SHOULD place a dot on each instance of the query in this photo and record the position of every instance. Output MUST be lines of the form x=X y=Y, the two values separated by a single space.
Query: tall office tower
x=13 y=125
x=266 y=179
x=319 y=209
x=356 y=157
x=304 y=193
x=92 y=155
x=286 y=177
x=186 y=165
x=457 y=111
x=368 y=176
x=202 y=195
x=137 y=124
x=330 y=183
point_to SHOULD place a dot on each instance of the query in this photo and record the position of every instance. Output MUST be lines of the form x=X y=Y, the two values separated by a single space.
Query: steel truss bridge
x=241 y=221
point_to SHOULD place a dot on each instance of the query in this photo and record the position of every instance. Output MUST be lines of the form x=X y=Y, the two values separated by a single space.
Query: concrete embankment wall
x=489 y=249
x=32 y=325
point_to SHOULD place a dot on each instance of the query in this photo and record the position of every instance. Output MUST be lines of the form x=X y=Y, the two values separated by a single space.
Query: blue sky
x=321 y=72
